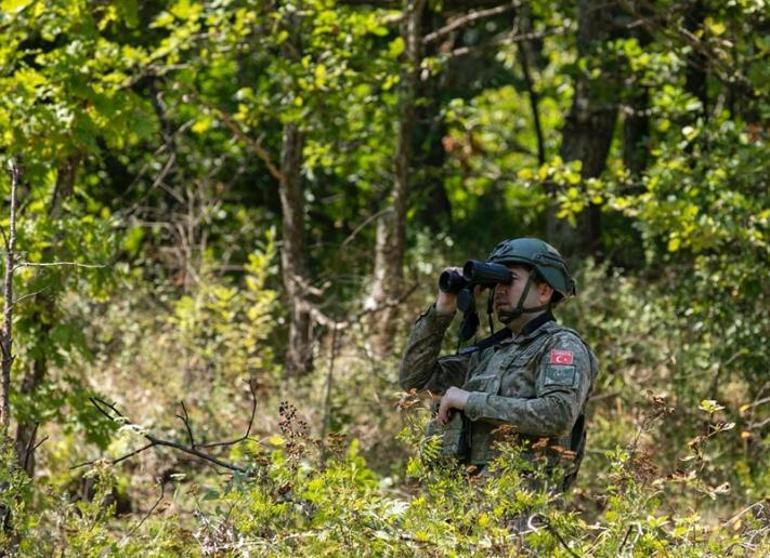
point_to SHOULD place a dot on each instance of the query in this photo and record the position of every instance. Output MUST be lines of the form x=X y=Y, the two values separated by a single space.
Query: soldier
x=535 y=375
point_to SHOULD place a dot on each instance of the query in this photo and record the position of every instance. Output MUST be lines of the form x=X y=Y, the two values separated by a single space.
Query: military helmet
x=541 y=256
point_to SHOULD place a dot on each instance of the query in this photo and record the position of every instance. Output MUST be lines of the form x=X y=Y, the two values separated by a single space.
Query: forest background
x=220 y=218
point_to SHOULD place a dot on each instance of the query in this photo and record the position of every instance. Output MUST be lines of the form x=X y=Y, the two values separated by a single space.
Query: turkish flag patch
x=561 y=357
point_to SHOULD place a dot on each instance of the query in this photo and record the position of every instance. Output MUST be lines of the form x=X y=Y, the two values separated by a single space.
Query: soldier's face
x=507 y=296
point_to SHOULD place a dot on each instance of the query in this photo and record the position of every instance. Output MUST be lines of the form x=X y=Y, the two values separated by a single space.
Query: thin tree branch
x=58 y=264
x=136 y=527
x=534 y=98
x=99 y=403
x=29 y=295
x=328 y=398
x=186 y=420
x=238 y=131
x=559 y=538
x=115 y=415
x=196 y=453
x=760 y=424
x=321 y=318
x=40 y=443
x=467 y=19
x=28 y=450
x=366 y=221
x=128 y=455
x=507 y=38
x=625 y=538
x=742 y=513
x=253 y=391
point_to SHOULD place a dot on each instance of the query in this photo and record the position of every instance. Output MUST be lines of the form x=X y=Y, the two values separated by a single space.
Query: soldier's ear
x=545 y=292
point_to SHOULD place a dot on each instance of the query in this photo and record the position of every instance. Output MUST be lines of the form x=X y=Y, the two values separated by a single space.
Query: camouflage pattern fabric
x=536 y=382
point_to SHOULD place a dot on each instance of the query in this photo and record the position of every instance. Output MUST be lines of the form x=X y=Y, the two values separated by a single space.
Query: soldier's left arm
x=563 y=382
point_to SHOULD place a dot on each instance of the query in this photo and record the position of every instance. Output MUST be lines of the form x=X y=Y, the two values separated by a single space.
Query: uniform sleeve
x=564 y=379
x=421 y=367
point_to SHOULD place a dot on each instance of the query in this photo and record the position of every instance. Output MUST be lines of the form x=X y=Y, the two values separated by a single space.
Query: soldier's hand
x=454 y=398
x=446 y=303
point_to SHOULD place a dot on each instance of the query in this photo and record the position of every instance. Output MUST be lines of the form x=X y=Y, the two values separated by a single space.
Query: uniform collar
x=535 y=323
x=531 y=329
x=505 y=336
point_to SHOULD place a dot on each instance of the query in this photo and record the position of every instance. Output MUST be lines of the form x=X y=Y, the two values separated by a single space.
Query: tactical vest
x=510 y=369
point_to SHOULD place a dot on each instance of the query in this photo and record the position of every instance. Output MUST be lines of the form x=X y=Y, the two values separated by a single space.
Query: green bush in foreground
x=294 y=504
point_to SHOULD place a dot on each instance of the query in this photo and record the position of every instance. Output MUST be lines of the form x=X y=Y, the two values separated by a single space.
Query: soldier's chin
x=506 y=316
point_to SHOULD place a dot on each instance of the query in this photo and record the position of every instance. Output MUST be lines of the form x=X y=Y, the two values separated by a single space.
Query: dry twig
x=111 y=412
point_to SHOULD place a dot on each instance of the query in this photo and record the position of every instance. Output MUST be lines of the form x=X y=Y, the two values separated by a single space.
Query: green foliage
x=224 y=326
x=64 y=84
x=293 y=505
x=146 y=132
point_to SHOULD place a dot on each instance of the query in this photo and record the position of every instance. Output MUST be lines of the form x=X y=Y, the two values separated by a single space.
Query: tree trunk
x=26 y=430
x=434 y=208
x=6 y=337
x=636 y=131
x=695 y=73
x=526 y=60
x=391 y=226
x=299 y=353
x=588 y=129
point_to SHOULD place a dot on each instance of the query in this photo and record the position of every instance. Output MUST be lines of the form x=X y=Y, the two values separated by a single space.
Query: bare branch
x=186 y=420
x=29 y=450
x=126 y=456
x=328 y=398
x=196 y=453
x=58 y=264
x=104 y=408
x=254 y=145
x=549 y=526
x=303 y=283
x=387 y=304
x=136 y=527
x=467 y=19
x=253 y=391
x=101 y=403
x=29 y=295
x=625 y=537
x=321 y=318
x=366 y=221
x=534 y=97
x=743 y=512
x=507 y=38
x=396 y=4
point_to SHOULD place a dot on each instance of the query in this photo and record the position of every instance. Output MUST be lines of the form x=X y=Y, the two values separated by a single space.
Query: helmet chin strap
x=507 y=317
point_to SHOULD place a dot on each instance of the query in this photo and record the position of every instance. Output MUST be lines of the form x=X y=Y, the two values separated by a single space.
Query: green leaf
x=14 y=6
x=320 y=76
x=674 y=243
x=715 y=27
x=710 y=406
x=396 y=47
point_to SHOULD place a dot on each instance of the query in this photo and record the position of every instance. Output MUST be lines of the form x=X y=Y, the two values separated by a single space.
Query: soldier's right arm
x=421 y=367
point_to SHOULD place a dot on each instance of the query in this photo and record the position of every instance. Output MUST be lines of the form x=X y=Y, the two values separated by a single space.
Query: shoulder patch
x=561 y=357
x=559 y=375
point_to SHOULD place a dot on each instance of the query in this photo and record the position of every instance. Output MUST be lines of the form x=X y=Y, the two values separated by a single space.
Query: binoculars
x=474 y=273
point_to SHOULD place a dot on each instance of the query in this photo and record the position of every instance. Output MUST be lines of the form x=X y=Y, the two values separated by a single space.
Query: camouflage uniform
x=537 y=381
